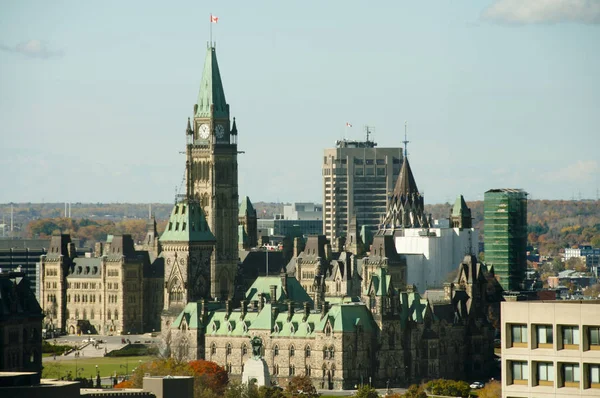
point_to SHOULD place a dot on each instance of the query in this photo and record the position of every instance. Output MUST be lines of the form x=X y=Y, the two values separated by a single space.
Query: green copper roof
x=460 y=206
x=187 y=223
x=211 y=89
x=294 y=289
x=246 y=208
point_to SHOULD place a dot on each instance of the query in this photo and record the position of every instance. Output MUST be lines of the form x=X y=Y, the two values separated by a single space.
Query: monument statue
x=256 y=370
x=256 y=343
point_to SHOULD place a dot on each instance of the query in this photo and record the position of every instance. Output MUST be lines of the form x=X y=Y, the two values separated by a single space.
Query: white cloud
x=33 y=49
x=543 y=11
x=581 y=171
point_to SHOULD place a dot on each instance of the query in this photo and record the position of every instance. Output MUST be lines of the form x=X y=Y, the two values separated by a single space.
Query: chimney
x=255 y=304
x=227 y=308
x=283 y=276
x=274 y=312
x=203 y=308
x=273 y=289
x=244 y=308
x=324 y=309
x=297 y=247
x=71 y=250
x=290 y=310
x=448 y=288
x=98 y=249
x=306 y=311
x=261 y=301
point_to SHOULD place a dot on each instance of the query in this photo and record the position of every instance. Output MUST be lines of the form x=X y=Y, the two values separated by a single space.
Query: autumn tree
x=125 y=384
x=415 y=391
x=213 y=376
x=301 y=386
x=492 y=389
x=451 y=388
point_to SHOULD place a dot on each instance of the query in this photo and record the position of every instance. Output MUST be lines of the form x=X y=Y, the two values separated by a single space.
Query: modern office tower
x=505 y=229
x=358 y=179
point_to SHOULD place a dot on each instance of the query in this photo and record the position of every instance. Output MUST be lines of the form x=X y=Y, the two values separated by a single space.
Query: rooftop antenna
x=406 y=141
x=368 y=132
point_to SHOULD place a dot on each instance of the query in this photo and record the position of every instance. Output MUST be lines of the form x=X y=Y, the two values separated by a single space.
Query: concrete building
x=303 y=211
x=29 y=385
x=505 y=235
x=589 y=254
x=551 y=349
x=20 y=325
x=357 y=180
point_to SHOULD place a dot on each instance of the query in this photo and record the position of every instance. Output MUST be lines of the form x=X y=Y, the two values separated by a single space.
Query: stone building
x=20 y=325
x=106 y=292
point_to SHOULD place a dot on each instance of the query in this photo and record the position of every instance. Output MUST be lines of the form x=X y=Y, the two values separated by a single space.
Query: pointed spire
x=406 y=183
x=188 y=129
x=234 y=128
x=211 y=98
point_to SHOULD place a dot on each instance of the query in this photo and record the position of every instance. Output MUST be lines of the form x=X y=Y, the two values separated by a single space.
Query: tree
x=213 y=376
x=415 y=391
x=125 y=384
x=301 y=386
x=366 y=391
x=492 y=389
x=450 y=388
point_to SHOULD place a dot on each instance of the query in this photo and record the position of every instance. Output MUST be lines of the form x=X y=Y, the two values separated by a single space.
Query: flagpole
x=211 y=23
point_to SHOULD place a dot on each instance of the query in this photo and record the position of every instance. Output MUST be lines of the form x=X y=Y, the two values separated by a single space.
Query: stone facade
x=108 y=292
x=20 y=325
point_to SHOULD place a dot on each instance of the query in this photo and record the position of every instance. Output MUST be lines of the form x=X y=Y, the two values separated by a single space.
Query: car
x=476 y=385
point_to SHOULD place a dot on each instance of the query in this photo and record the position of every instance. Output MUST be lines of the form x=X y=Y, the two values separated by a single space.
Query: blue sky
x=94 y=96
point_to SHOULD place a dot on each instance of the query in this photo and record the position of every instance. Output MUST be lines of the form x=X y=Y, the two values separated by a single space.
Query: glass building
x=505 y=240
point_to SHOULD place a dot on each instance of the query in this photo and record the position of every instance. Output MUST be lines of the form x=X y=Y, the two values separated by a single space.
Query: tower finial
x=406 y=141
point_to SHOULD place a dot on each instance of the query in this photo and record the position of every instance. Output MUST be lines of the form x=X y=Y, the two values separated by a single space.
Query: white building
x=431 y=249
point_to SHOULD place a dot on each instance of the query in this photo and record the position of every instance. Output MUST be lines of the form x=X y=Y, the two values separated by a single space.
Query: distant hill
x=553 y=224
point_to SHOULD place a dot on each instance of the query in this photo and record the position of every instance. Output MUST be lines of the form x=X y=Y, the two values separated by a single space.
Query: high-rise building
x=505 y=241
x=212 y=142
x=358 y=179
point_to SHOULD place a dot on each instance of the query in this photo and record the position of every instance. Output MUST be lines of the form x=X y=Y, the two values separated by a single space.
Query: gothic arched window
x=228 y=352
x=307 y=351
x=276 y=350
x=292 y=351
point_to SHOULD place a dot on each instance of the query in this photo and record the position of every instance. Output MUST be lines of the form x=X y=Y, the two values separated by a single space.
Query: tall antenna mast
x=406 y=141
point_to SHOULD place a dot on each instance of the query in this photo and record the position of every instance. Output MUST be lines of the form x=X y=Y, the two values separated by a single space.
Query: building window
x=594 y=376
x=520 y=372
x=519 y=336
x=244 y=349
x=276 y=350
x=228 y=352
x=544 y=336
x=545 y=372
x=307 y=352
x=570 y=337
x=213 y=349
x=593 y=333
x=570 y=373
x=292 y=351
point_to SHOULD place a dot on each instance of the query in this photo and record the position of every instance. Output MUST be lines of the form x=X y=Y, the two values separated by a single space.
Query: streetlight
x=126 y=366
x=98 y=383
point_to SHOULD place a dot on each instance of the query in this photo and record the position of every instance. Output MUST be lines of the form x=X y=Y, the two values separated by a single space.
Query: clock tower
x=212 y=143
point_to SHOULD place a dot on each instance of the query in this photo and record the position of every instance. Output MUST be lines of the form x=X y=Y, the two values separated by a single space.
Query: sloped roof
x=211 y=89
x=187 y=223
x=460 y=206
x=262 y=284
x=405 y=184
x=16 y=298
x=246 y=208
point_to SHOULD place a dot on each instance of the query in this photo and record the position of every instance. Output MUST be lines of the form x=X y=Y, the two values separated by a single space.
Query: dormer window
x=214 y=327
x=229 y=327
x=182 y=209
x=177 y=226
x=170 y=225
x=183 y=227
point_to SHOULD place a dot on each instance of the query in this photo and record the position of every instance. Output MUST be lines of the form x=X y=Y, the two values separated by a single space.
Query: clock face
x=203 y=131
x=220 y=131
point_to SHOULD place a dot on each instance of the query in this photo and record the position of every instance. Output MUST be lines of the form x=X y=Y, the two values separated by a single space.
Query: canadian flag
x=348 y=124
x=214 y=19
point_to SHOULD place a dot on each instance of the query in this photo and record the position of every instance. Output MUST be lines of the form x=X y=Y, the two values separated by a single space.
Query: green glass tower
x=505 y=235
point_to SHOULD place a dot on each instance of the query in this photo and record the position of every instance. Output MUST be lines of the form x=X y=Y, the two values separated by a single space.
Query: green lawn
x=106 y=365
